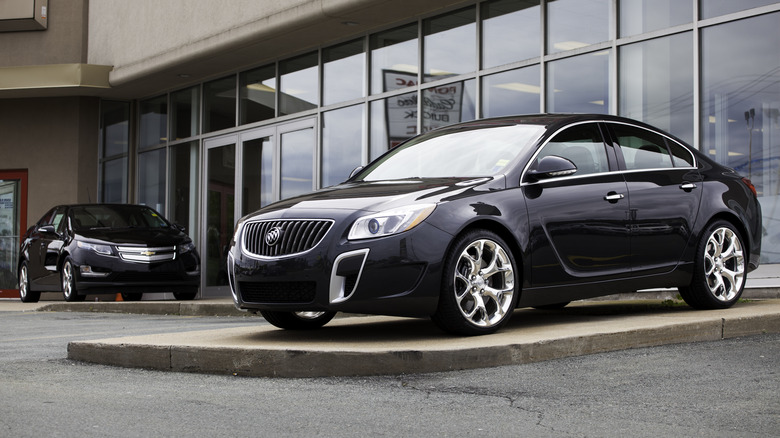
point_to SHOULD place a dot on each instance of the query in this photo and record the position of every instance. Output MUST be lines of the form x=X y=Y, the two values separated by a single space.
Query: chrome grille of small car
x=142 y=254
x=276 y=238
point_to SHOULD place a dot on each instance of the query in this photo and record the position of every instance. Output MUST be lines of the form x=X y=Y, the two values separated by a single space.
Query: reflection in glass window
x=343 y=72
x=510 y=31
x=297 y=162
x=656 y=83
x=394 y=52
x=579 y=84
x=298 y=84
x=114 y=128
x=342 y=143
x=449 y=47
x=258 y=95
x=740 y=106
x=642 y=16
x=151 y=179
x=572 y=24
x=393 y=120
x=153 y=123
x=257 y=174
x=185 y=113
x=113 y=187
x=219 y=104
x=183 y=177
x=512 y=92
x=714 y=8
x=448 y=104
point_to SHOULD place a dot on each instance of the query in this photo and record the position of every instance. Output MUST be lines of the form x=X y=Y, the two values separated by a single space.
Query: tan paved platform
x=385 y=345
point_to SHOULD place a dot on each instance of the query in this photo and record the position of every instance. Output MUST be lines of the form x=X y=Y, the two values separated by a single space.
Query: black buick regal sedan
x=468 y=222
x=106 y=248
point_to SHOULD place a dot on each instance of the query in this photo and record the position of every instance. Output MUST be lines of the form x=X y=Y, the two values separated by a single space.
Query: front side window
x=583 y=145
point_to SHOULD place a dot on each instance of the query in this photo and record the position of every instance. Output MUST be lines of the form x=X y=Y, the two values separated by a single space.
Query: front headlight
x=100 y=249
x=390 y=222
x=186 y=247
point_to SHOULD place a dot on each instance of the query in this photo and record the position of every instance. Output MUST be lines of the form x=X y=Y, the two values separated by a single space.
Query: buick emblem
x=272 y=236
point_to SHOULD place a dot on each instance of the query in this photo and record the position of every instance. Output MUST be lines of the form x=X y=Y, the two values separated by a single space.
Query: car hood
x=151 y=237
x=377 y=196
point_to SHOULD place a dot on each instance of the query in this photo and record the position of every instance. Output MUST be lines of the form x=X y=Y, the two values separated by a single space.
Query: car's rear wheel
x=132 y=296
x=297 y=320
x=68 y=276
x=25 y=293
x=719 y=269
x=479 y=291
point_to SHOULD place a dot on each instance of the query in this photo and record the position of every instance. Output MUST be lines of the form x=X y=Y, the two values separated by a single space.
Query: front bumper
x=393 y=275
x=96 y=274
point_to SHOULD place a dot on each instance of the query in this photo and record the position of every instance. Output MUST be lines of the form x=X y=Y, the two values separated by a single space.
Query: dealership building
x=209 y=110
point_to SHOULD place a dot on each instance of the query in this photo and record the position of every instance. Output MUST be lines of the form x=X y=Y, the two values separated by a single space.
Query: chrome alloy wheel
x=724 y=264
x=24 y=287
x=309 y=315
x=68 y=289
x=484 y=283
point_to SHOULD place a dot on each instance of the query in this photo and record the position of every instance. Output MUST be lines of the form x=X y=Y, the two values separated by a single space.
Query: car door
x=578 y=223
x=36 y=250
x=664 y=188
x=51 y=248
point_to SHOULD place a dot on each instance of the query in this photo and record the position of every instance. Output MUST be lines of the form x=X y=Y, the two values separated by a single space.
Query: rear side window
x=642 y=149
x=582 y=145
x=682 y=157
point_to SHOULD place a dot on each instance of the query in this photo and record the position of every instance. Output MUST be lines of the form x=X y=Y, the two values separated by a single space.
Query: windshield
x=471 y=152
x=115 y=216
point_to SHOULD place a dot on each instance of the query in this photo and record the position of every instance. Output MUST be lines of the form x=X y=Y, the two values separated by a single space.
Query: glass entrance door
x=219 y=213
x=13 y=220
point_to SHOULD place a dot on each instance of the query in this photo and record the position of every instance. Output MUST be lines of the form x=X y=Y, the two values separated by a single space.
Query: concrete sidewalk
x=355 y=346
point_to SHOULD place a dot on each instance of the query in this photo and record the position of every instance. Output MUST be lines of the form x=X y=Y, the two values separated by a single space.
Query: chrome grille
x=293 y=236
x=141 y=254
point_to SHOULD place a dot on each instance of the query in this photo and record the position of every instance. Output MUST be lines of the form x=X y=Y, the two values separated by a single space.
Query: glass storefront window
x=394 y=52
x=257 y=171
x=448 y=104
x=297 y=162
x=579 y=84
x=656 y=83
x=151 y=179
x=342 y=143
x=393 y=120
x=154 y=122
x=740 y=106
x=510 y=31
x=219 y=104
x=298 y=84
x=343 y=72
x=113 y=187
x=184 y=194
x=572 y=24
x=511 y=92
x=449 y=45
x=714 y=8
x=258 y=95
x=185 y=113
x=642 y=16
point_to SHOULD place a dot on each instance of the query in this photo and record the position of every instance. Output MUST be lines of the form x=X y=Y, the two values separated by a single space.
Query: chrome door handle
x=688 y=186
x=613 y=197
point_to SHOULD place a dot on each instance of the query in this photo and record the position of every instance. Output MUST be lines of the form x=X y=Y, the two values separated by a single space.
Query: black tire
x=556 y=306
x=719 y=269
x=25 y=293
x=132 y=296
x=479 y=289
x=68 y=278
x=297 y=320
x=185 y=296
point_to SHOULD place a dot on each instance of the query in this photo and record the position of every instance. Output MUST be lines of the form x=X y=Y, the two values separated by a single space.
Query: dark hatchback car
x=107 y=248
x=466 y=223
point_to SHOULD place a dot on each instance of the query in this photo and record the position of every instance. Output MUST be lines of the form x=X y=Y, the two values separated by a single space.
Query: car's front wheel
x=68 y=276
x=479 y=291
x=297 y=320
x=719 y=269
x=25 y=293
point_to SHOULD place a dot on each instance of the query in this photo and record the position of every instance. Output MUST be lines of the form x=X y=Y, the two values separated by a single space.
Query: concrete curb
x=386 y=346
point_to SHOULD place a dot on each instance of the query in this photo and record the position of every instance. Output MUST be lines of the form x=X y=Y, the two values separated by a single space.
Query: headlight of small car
x=390 y=222
x=100 y=249
x=186 y=247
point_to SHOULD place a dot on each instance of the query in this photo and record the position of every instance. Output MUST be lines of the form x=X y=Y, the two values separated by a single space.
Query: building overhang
x=54 y=80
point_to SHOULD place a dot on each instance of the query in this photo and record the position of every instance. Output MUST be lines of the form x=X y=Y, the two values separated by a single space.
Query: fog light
x=87 y=271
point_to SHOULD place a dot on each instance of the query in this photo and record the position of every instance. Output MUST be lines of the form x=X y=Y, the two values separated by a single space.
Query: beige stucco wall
x=55 y=139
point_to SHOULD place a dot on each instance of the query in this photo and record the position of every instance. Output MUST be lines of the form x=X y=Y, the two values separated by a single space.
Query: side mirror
x=47 y=229
x=181 y=228
x=355 y=171
x=552 y=166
